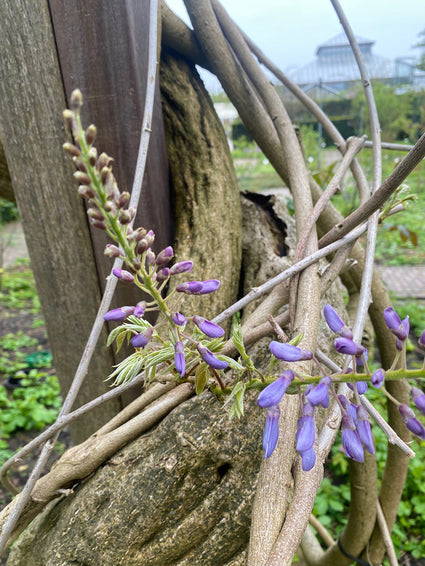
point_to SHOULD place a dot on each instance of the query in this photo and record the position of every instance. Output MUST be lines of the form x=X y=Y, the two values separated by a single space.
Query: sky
x=288 y=31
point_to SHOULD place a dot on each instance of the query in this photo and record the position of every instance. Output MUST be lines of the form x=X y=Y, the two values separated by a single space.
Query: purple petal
x=361 y=387
x=347 y=346
x=123 y=274
x=179 y=359
x=207 y=327
x=181 y=267
x=139 y=309
x=308 y=459
x=140 y=340
x=364 y=429
x=306 y=433
x=418 y=397
x=351 y=440
x=334 y=321
x=164 y=256
x=178 y=319
x=288 y=352
x=163 y=274
x=394 y=323
x=349 y=407
x=378 y=378
x=210 y=359
x=422 y=339
x=189 y=287
x=416 y=427
x=319 y=395
x=209 y=286
x=119 y=314
x=271 y=431
x=272 y=394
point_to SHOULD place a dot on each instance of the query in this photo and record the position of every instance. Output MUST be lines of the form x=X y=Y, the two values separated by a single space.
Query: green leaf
x=113 y=334
x=232 y=363
x=237 y=395
x=120 y=339
x=202 y=376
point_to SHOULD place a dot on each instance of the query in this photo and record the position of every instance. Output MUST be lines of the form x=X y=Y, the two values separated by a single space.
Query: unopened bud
x=124 y=216
x=105 y=175
x=123 y=199
x=97 y=223
x=76 y=100
x=91 y=134
x=95 y=214
x=69 y=118
x=123 y=274
x=92 y=156
x=138 y=234
x=103 y=161
x=150 y=257
x=85 y=192
x=163 y=274
x=112 y=251
x=82 y=178
x=109 y=206
x=71 y=149
x=81 y=166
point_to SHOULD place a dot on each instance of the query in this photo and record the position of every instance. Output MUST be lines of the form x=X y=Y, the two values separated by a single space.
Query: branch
x=386 y=535
x=80 y=461
x=393 y=181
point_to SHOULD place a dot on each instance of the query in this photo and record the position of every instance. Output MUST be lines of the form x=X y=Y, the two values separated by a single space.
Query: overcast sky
x=288 y=31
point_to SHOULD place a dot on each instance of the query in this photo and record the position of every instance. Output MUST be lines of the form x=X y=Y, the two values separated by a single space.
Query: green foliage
x=18 y=291
x=32 y=406
x=8 y=211
x=416 y=312
x=401 y=115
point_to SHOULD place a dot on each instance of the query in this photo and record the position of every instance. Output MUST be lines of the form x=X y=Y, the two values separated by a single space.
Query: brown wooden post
x=47 y=49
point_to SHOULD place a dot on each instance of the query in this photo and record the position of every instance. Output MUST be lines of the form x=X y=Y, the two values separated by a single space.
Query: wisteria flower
x=362 y=387
x=306 y=433
x=120 y=314
x=351 y=440
x=179 y=359
x=207 y=327
x=335 y=322
x=418 y=397
x=273 y=393
x=123 y=275
x=181 y=267
x=378 y=378
x=178 y=319
x=271 y=431
x=210 y=359
x=398 y=328
x=349 y=407
x=140 y=340
x=308 y=459
x=319 y=395
x=411 y=422
x=345 y=345
x=364 y=429
x=288 y=352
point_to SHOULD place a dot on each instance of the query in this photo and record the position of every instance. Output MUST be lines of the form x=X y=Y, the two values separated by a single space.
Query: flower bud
x=82 y=178
x=112 y=251
x=119 y=314
x=345 y=345
x=97 y=223
x=123 y=199
x=92 y=156
x=209 y=328
x=124 y=216
x=335 y=322
x=271 y=431
x=86 y=192
x=76 y=100
x=178 y=319
x=273 y=393
x=91 y=134
x=398 y=328
x=81 y=166
x=210 y=359
x=288 y=352
x=319 y=395
x=123 y=274
x=364 y=430
x=190 y=287
x=95 y=214
x=378 y=378
x=103 y=161
x=72 y=149
x=181 y=267
x=163 y=274
x=422 y=339
x=418 y=397
x=140 y=340
x=150 y=257
x=351 y=440
x=164 y=256
x=179 y=359
x=139 y=309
